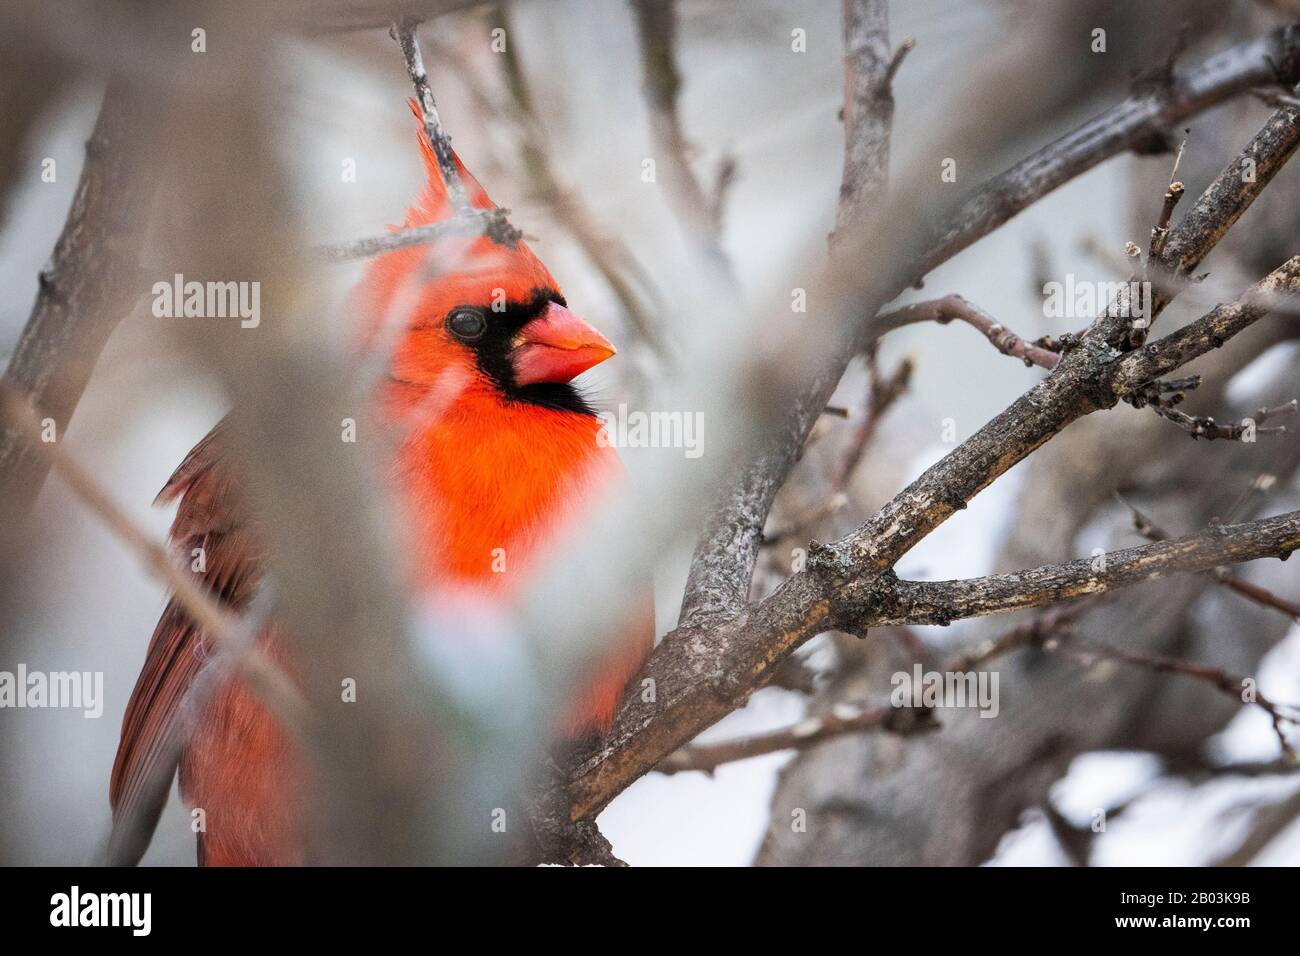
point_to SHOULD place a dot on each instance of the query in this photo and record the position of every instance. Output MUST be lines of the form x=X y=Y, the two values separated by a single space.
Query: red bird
x=497 y=450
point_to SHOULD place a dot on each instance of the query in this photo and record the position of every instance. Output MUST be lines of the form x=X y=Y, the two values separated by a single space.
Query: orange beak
x=557 y=346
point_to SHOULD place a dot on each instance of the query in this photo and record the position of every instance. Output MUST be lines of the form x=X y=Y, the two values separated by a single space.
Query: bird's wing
x=210 y=518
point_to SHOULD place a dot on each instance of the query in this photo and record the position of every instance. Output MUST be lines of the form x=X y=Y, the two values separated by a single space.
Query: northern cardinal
x=497 y=450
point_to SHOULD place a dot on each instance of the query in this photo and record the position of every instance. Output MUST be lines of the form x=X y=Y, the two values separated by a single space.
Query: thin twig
x=1089 y=652
x=480 y=222
x=882 y=393
x=1202 y=426
x=403 y=31
x=1252 y=592
x=841 y=720
x=952 y=307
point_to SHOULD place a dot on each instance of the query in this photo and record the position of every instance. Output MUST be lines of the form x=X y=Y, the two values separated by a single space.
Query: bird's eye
x=467 y=324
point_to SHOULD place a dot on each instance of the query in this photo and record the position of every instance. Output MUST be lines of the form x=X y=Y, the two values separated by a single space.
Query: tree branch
x=952 y=307
x=1133 y=123
x=722 y=566
x=843 y=719
x=91 y=282
x=941 y=602
x=403 y=32
x=869 y=70
x=480 y=222
x=701 y=673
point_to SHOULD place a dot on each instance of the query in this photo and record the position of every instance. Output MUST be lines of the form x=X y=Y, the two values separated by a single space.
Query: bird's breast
x=488 y=494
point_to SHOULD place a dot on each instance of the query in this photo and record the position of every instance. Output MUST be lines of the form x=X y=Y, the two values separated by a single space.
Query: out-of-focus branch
x=257 y=670
x=1052 y=621
x=884 y=391
x=90 y=283
x=842 y=719
x=333 y=16
x=1261 y=596
x=1233 y=685
x=657 y=29
x=612 y=257
x=1269 y=822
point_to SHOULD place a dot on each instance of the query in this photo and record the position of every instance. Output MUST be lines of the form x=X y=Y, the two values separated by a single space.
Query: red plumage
x=496 y=455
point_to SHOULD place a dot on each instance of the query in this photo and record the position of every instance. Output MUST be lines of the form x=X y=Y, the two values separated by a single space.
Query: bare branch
x=940 y=602
x=1269 y=823
x=485 y=222
x=707 y=668
x=722 y=567
x=1233 y=686
x=1082 y=382
x=1052 y=621
x=1202 y=426
x=952 y=307
x=1252 y=592
x=841 y=720
x=869 y=70
x=1132 y=123
x=403 y=32
x=89 y=285
x=1208 y=332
